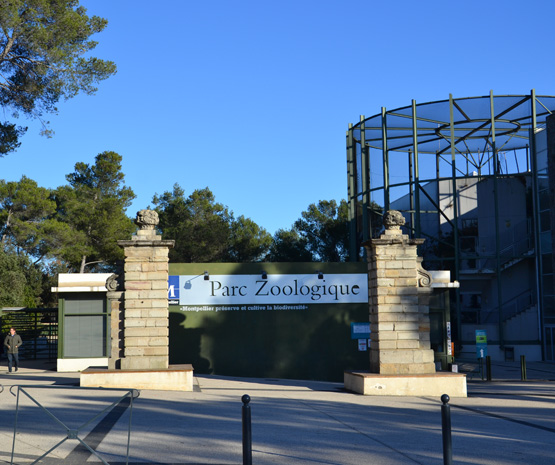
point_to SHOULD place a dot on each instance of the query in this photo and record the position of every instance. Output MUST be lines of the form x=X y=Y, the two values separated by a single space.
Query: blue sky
x=253 y=98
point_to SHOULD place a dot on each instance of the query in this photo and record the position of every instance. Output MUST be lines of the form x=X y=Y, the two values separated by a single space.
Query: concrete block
x=407 y=326
x=134 y=352
x=407 y=344
x=135 y=342
x=132 y=266
x=414 y=335
x=155 y=351
x=174 y=378
x=133 y=323
x=425 y=385
x=389 y=264
x=132 y=284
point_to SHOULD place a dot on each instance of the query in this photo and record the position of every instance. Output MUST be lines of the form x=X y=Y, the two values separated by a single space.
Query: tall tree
x=324 y=228
x=43 y=44
x=94 y=205
x=288 y=246
x=26 y=219
x=206 y=231
x=249 y=242
x=20 y=280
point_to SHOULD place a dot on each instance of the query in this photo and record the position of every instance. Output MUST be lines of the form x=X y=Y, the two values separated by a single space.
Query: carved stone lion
x=146 y=219
x=393 y=219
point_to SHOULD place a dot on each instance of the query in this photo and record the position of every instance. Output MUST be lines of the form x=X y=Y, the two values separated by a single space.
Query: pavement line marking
x=360 y=432
x=501 y=417
x=99 y=432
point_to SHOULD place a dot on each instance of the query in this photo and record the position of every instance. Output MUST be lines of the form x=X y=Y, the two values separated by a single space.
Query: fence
x=38 y=328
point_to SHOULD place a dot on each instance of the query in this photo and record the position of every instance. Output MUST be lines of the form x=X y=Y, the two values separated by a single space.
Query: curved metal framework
x=419 y=159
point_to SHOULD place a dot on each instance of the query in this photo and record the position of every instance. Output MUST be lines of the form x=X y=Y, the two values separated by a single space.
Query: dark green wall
x=295 y=344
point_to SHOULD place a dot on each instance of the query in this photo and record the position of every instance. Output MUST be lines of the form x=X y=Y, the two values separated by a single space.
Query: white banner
x=275 y=289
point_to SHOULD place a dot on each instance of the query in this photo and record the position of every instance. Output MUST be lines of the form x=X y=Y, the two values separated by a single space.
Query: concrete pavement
x=293 y=422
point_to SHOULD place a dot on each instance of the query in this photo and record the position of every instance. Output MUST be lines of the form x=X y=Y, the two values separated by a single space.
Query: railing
x=118 y=407
x=38 y=328
x=510 y=308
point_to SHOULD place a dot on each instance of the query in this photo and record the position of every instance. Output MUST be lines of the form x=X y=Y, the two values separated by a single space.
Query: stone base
x=69 y=365
x=436 y=384
x=175 y=378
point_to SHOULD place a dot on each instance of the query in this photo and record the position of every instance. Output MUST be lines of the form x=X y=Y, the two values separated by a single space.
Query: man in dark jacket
x=12 y=343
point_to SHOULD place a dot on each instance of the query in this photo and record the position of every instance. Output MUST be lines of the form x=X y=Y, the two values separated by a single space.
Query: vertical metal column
x=496 y=214
x=352 y=195
x=385 y=155
x=455 y=213
x=411 y=195
x=365 y=181
x=536 y=207
x=417 y=229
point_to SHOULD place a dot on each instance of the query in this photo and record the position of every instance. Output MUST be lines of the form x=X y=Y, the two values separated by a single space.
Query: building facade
x=471 y=176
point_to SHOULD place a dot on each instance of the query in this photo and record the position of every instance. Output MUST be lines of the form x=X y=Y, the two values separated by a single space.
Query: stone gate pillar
x=399 y=290
x=145 y=324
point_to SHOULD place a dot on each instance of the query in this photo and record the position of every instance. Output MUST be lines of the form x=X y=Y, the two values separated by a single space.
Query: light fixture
x=264 y=275
x=206 y=276
x=320 y=275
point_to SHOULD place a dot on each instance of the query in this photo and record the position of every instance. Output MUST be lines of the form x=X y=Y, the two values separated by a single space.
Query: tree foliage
x=44 y=48
x=20 y=280
x=26 y=218
x=206 y=231
x=288 y=246
x=320 y=235
x=93 y=205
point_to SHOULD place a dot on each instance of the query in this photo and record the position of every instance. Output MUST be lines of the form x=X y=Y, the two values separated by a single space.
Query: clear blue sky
x=253 y=98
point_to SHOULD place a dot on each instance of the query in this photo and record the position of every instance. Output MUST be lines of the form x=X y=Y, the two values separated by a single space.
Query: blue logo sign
x=173 y=287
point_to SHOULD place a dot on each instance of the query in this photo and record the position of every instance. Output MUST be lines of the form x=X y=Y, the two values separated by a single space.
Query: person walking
x=12 y=343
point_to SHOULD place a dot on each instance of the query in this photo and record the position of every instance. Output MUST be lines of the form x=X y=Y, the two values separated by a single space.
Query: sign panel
x=275 y=292
x=481 y=343
x=360 y=330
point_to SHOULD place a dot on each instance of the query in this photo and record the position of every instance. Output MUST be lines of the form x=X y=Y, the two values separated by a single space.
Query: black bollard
x=488 y=368
x=247 y=431
x=446 y=430
x=523 y=376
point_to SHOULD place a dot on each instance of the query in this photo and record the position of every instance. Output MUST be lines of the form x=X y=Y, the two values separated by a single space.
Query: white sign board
x=285 y=289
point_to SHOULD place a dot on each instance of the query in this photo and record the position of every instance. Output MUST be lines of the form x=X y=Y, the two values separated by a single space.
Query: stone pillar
x=399 y=295
x=114 y=286
x=146 y=296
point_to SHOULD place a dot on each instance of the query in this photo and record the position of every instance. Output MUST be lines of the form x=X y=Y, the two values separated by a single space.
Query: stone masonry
x=399 y=297
x=145 y=326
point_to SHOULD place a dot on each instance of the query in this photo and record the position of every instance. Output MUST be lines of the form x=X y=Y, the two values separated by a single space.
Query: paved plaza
x=505 y=421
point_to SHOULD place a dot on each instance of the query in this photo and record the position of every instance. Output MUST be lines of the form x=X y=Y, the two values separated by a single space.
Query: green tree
x=206 y=231
x=93 y=205
x=324 y=228
x=288 y=246
x=20 y=280
x=43 y=44
x=249 y=242
x=26 y=219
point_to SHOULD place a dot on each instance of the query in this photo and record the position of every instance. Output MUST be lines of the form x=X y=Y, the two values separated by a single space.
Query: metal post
x=352 y=194
x=488 y=368
x=247 y=430
x=416 y=226
x=455 y=213
x=496 y=175
x=385 y=155
x=411 y=195
x=536 y=205
x=523 y=368
x=365 y=179
x=446 y=430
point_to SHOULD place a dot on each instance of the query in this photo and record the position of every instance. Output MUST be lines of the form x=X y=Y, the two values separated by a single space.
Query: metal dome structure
x=461 y=170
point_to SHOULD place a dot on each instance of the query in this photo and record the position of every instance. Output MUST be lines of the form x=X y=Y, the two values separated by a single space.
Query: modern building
x=472 y=176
